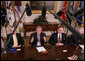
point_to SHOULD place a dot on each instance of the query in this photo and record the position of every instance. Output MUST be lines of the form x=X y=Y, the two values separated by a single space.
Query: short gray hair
x=82 y=29
x=38 y=27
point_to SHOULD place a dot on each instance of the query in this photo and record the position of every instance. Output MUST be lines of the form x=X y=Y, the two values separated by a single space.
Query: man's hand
x=74 y=57
x=32 y=39
x=14 y=46
x=59 y=44
x=17 y=46
x=44 y=38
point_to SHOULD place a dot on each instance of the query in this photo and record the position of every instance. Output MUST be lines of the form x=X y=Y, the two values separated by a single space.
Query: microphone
x=28 y=10
x=44 y=11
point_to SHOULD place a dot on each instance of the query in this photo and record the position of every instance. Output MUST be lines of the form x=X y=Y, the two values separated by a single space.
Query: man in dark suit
x=38 y=38
x=75 y=41
x=16 y=40
x=58 y=38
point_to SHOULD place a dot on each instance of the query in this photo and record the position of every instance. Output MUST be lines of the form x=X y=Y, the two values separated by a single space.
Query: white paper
x=69 y=58
x=40 y=49
x=64 y=50
x=82 y=46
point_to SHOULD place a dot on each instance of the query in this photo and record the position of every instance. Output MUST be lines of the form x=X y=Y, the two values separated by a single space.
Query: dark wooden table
x=31 y=53
x=45 y=27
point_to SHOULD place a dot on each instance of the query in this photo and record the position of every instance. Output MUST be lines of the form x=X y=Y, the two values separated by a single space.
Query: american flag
x=63 y=16
x=10 y=13
x=18 y=15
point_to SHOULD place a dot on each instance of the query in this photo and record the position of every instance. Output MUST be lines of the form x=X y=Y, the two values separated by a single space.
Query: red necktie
x=59 y=39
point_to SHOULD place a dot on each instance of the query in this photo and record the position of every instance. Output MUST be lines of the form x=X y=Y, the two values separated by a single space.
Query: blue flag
x=12 y=49
x=80 y=19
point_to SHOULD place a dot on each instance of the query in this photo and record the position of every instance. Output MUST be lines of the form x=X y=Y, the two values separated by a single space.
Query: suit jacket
x=19 y=39
x=75 y=41
x=54 y=39
x=81 y=56
x=34 y=43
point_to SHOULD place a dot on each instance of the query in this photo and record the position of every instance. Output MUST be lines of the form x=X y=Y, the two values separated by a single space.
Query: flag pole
x=66 y=17
x=14 y=12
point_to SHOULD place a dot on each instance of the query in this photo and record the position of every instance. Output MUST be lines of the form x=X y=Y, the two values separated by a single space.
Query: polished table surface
x=31 y=53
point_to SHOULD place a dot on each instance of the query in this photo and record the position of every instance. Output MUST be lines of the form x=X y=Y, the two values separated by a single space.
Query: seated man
x=58 y=38
x=38 y=38
x=75 y=41
x=16 y=40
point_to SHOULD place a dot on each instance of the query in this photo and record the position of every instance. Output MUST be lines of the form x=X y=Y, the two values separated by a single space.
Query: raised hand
x=32 y=39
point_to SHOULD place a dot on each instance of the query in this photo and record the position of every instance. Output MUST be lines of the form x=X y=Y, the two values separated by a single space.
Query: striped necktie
x=59 y=39
x=15 y=41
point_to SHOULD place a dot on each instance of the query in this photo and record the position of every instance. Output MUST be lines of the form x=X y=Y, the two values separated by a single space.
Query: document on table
x=40 y=49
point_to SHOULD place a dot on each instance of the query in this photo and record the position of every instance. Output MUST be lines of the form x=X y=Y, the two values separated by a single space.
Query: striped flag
x=62 y=12
x=9 y=5
x=70 y=9
x=80 y=5
x=18 y=15
x=10 y=14
x=80 y=19
x=65 y=4
x=2 y=4
x=63 y=16
x=18 y=12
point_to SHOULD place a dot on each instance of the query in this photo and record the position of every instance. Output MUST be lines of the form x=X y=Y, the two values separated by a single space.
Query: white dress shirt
x=38 y=42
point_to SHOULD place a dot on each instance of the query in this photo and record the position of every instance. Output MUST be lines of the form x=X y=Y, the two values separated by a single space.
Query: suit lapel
x=17 y=38
x=12 y=41
x=36 y=37
x=62 y=37
x=57 y=37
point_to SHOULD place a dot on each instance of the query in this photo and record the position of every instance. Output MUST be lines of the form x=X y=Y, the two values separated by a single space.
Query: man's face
x=39 y=30
x=81 y=31
x=60 y=30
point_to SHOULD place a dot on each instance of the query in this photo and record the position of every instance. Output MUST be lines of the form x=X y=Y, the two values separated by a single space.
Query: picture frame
x=35 y=6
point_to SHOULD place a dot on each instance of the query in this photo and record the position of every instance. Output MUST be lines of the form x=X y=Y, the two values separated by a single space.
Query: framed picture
x=37 y=6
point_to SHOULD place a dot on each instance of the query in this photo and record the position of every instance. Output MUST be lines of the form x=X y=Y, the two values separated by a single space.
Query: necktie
x=59 y=39
x=39 y=43
x=15 y=41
